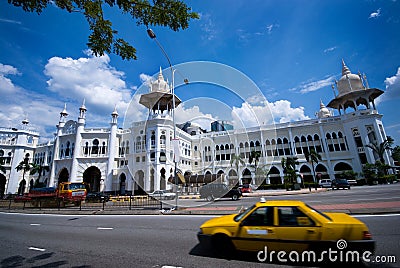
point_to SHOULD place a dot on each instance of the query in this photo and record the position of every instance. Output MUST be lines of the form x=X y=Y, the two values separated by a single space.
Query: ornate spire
x=114 y=113
x=345 y=69
x=25 y=121
x=83 y=107
x=64 y=112
x=160 y=75
x=82 y=111
x=321 y=104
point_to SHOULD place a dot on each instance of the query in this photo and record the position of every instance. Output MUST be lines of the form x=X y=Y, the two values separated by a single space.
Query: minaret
x=25 y=123
x=111 y=151
x=353 y=92
x=60 y=126
x=78 y=145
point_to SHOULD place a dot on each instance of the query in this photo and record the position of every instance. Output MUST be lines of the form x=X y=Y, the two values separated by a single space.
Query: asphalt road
x=137 y=241
x=357 y=194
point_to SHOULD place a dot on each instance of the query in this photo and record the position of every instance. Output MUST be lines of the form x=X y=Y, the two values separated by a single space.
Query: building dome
x=323 y=111
x=160 y=85
x=349 y=82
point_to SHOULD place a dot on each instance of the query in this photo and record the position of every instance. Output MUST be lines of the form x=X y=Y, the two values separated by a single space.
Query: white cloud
x=146 y=79
x=91 y=78
x=392 y=88
x=271 y=27
x=208 y=27
x=266 y=113
x=193 y=114
x=10 y=21
x=330 y=49
x=6 y=85
x=314 y=85
x=283 y=111
x=375 y=14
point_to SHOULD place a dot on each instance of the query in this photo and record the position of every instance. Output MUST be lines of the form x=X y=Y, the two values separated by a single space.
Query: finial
x=83 y=107
x=366 y=81
x=160 y=75
x=345 y=69
x=114 y=113
x=64 y=112
x=25 y=121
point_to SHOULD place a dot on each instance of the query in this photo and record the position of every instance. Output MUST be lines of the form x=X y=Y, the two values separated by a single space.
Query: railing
x=115 y=203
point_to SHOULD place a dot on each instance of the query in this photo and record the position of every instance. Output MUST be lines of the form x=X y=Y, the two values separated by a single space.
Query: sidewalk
x=266 y=193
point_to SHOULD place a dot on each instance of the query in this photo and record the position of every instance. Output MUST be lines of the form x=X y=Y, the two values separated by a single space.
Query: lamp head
x=151 y=34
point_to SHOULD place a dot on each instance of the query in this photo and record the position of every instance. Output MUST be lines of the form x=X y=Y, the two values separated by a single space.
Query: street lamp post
x=152 y=35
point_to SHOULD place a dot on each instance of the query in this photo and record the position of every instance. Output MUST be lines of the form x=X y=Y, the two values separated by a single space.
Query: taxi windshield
x=242 y=214
x=76 y=186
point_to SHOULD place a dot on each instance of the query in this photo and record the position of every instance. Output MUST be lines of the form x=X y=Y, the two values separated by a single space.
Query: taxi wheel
x=223 y=246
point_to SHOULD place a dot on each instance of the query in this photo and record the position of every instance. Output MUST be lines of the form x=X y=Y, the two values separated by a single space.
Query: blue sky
x=290 y=50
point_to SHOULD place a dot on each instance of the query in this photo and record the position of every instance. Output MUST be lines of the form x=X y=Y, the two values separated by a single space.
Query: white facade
x=121 y=161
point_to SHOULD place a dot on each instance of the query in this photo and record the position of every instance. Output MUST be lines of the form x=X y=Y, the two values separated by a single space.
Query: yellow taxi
x=285 y=226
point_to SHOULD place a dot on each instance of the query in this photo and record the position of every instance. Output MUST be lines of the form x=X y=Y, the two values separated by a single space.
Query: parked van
x=325 y=183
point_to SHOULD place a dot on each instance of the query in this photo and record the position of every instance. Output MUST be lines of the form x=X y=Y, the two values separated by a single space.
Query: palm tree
x=237 y=160
x=313 y=157
x=289 y=168
x=254 y=156
x=37 y=168
x=381 y=148
x=24 y=166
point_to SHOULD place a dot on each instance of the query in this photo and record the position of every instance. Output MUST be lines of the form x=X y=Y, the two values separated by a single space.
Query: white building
x=141 y=157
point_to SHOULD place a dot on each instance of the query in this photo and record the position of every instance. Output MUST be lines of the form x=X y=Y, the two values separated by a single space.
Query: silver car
x=325 y=183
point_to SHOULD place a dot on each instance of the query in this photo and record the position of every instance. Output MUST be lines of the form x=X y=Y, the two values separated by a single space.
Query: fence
x=115 y=203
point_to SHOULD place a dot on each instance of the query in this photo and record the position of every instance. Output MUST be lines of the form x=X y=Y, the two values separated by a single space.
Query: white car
x=325 y=183
x=163 y=195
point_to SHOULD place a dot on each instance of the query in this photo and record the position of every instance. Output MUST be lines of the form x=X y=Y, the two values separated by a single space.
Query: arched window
x=163 y=140
x=86 y=149
x=67 y=150
x=123 y=148
x=103 y=148
x=138 y=144
x=62 y=151
x=49 y=157
x=95 y=146
x=153 y=139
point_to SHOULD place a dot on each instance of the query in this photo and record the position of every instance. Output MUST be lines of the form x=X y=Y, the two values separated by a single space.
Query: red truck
x=65 y=193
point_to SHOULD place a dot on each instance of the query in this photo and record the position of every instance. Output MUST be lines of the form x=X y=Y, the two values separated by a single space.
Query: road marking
x=370 y=199
x=169 y=266
x=35 y=224
x=105 y=228
x=37 y=249
x=376 y=215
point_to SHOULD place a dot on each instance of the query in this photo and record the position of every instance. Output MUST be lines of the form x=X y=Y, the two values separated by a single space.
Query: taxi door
x=256 y=231
x=295 y=230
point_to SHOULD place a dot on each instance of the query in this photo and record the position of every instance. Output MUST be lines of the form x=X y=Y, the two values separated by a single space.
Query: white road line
x=372 y=199
x=105 y=228
x=35 y=224
x=37 y=249
x=376 y=215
